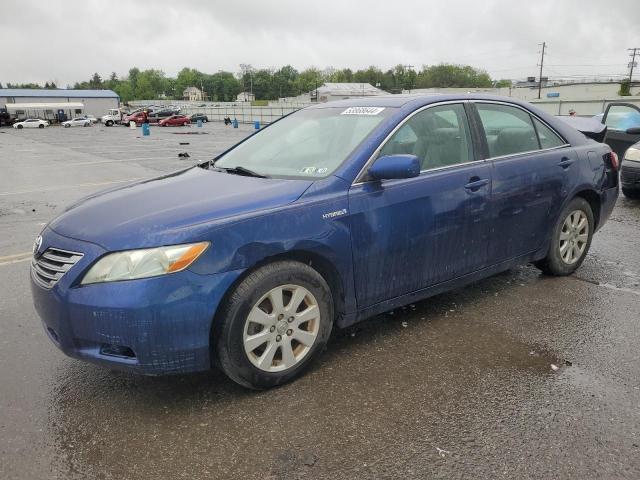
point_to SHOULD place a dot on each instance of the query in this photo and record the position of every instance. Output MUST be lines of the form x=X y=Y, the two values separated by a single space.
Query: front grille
x=49 y=267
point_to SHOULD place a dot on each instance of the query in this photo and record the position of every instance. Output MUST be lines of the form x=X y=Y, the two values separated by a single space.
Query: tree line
x=271 y=83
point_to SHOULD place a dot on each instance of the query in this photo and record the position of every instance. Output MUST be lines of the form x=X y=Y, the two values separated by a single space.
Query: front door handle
x=565 y=162
x=476 y=183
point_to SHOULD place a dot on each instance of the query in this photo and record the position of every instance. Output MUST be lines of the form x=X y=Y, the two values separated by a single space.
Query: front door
x=413 y=233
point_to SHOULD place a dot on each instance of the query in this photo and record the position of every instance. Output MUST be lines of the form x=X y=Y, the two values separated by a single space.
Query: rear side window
x=548 y=138
x=508 y=130
x=438 y=136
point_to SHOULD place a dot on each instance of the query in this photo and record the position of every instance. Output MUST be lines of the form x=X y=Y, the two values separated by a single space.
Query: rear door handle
x=565 y=162
x=476 y=184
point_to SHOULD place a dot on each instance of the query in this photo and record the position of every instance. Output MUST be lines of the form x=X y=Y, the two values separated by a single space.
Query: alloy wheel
x=574 y=237
x=281 y=328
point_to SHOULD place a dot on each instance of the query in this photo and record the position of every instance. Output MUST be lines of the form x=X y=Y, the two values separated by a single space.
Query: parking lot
x=517 y=376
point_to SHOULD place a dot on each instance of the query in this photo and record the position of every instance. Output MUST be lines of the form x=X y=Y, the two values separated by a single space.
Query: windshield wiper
x=240 y=170
x=237 y=170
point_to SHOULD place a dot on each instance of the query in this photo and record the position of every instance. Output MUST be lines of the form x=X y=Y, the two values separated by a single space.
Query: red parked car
x=137 y=117
x=175 y=120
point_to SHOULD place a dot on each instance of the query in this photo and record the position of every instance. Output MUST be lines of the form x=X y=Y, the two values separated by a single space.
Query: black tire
x=67 y=125
x=553 y=264
x=204 y=120
x=20 y=127
x=40 y=126
x=229 y=327
x=631 y=193
x=109 y=123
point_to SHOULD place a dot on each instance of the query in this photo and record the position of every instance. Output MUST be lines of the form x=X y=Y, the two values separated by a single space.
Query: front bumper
x=150 y=326
x=630 y=175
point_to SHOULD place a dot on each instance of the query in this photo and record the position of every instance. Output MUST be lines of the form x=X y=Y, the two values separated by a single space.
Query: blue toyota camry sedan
x=333 y=214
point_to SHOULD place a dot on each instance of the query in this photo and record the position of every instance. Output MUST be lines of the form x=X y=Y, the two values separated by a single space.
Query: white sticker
x=362 y=111
x=322 y=170
x=309 y=170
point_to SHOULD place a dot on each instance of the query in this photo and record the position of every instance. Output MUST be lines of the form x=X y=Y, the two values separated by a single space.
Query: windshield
x=310 y=143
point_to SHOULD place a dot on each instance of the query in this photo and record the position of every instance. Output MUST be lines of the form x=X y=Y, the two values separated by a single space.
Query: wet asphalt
x=517 y=376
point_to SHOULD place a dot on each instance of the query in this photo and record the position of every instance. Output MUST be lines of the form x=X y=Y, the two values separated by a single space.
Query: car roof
x=416 y=100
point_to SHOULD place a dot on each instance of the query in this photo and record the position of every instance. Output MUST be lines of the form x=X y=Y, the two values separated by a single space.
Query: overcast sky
x=66 y=41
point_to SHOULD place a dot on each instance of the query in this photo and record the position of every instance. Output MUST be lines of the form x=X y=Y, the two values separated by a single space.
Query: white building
x=193 y=94
x=46 y=103
x=329 y=91
x=245 y=97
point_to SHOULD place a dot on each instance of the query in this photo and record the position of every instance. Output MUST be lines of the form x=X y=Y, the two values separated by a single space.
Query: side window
x=548 y=138
x=438 y=136
x=621 y=117
x=508 y=129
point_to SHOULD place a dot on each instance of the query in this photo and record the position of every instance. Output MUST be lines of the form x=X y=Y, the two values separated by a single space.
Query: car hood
x=144 y=213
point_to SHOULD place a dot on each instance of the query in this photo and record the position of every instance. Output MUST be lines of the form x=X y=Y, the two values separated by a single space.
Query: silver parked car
x=77 y=122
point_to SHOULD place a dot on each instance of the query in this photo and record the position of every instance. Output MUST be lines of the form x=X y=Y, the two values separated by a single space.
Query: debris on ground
x=555 y=368
x=405 y=324
x=184 y=155
x=442 y=452
x=184 y=143
x=309 y=459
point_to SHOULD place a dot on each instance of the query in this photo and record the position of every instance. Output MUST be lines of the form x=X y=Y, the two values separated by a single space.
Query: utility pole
x=636 y=51
x=544 y=45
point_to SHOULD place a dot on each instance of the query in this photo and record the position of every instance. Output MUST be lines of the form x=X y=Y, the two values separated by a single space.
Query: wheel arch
x=593 y=199
x=320 y=263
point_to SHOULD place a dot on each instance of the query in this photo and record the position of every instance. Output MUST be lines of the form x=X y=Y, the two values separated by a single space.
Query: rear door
x=411 y=233
x=532 y=175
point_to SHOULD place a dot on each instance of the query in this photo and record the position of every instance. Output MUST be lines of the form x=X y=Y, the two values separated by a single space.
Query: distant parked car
x=77 y=122
x=175 y=120
x=31 y=123
x=138 y=118
x=199 y=116
x=158 y=115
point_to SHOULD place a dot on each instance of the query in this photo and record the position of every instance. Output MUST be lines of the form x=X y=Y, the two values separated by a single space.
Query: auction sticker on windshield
x=362 y=111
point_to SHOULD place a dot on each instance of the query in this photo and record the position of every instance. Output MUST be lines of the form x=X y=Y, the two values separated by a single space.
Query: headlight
x=632 y=154
x=148 y=262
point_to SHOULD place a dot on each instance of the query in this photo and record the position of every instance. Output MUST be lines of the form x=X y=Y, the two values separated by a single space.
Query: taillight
x=612 y=159
x=615 y=162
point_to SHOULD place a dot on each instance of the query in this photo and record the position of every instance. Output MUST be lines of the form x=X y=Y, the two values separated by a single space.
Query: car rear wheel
x=66 y=125
x=40 y=126
x=631 y=193
x=204 y=120
x=571 y=239
x=273 y=325
x=185 y=124
x=109 y=123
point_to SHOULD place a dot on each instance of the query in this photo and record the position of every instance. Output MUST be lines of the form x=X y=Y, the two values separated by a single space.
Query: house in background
x=193 y=94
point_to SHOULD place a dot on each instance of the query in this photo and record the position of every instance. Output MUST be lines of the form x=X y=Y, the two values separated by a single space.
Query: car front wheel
x=20 y=127
x=273 y=325
x=571 y=239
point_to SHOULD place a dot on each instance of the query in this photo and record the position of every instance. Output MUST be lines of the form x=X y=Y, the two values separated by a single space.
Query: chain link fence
x=244 y=112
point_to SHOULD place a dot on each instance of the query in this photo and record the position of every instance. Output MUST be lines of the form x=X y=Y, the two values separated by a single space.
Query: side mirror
x=395 y=166
x=633 y=131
